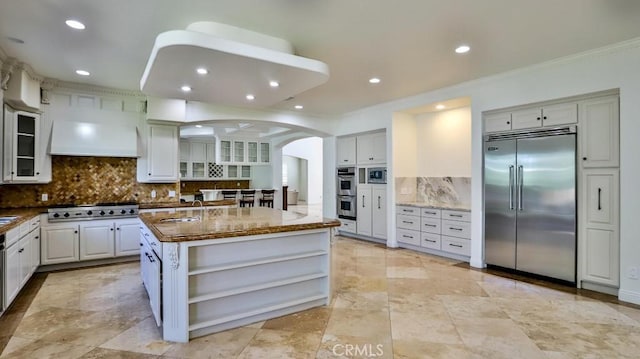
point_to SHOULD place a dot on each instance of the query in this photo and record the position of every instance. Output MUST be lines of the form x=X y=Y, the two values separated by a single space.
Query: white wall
x=444 y=143
x=613 y=67
x=405 y=147
x=311 y=149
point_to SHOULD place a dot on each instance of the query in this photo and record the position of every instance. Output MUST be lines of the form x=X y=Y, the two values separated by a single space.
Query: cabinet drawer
x=347 y=226
x=456 y=245
x=25 y=228
x=153 y=242
x=456 y=229
x=456 y=215
x=408 y=236
x=409 y=211
x=430 y=213
x=430 y=225
x=430 y=240
x=408 y=222
x=34 y=223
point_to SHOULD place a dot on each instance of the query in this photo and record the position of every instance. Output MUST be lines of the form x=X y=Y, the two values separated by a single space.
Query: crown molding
x=56 y=86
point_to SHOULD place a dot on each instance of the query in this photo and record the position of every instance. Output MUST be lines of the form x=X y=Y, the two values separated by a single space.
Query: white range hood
x=239 y=62
x=72 y=138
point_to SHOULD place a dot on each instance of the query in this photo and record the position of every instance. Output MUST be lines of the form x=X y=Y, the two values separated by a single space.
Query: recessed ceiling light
x=462 y=49
x=75 y=24
x=440 y=107
x=198 y=126
x=374 y=80
x=202 y=71
x=299 y=107
x=83 y=72
x=250 y=97
x=185 y=88
x=274 y=83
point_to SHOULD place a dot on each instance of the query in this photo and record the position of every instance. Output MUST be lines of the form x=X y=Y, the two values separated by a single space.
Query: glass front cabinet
x=21 y=146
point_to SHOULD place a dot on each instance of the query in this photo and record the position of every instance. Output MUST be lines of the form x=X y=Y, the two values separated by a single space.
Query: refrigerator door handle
x=520 y=185
x=511 y=183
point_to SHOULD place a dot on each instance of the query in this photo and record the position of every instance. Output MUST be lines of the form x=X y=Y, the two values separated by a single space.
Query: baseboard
x=629 y=296
x=85 y=264
x=599 y=288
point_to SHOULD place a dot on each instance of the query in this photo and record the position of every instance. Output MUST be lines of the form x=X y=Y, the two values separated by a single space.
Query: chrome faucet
x=197 y=200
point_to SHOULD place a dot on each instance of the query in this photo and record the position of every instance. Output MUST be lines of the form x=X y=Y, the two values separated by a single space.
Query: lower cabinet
x=434 y=229
x=89 y=240
x=21 y=258
x=150 y=270
x=371 y=210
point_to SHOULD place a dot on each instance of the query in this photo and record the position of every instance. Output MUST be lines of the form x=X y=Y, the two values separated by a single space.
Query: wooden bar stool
x=247 y=198
x=267 y=198
x=229 y=194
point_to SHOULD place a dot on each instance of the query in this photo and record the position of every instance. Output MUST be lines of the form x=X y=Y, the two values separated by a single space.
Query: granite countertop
x=226 y=202
x=23 y=214
x=440 y=205
x=231 y=222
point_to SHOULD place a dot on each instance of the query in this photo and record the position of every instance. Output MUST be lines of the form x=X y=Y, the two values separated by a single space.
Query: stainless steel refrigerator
x=530 y=202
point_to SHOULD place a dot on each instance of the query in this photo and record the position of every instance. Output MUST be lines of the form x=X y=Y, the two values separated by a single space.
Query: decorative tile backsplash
x=86 y=180
x=434 y=190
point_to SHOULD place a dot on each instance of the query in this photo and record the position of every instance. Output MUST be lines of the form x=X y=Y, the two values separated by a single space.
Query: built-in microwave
x=377 y=175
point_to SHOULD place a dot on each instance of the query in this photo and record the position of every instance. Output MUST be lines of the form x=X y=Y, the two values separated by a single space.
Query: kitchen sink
x=7 y=220
x=177 y=220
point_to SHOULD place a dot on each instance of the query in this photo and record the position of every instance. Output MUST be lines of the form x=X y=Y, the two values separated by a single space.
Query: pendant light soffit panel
x=239 y=62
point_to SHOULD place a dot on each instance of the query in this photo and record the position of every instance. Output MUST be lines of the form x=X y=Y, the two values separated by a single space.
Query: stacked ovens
x=346 y=187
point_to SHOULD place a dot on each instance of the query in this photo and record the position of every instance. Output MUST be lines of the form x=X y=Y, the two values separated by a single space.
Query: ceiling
x=408 y=44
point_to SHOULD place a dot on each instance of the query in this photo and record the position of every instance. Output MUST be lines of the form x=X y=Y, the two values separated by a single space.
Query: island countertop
x=229 y=222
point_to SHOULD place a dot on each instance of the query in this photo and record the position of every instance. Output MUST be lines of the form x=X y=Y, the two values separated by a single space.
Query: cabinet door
x=364 y=210
x=252 y=152
x=163 y=153
x=265 y=152
x=60 y=244
x=599 y=132
x=497 y=122
x=560 y=114
x=26 y=147
x=127 y=238
x=379 y=148
x=364 y=152
x=526 y=118
x=346 y=151
x=35 y=249
x=601 y=191
x=26 y=247
x=601 y=262
x=185 y=150
x=379 y=219
x=225 y=151
x=96 y=240
x=238 y=151
x=12 y=277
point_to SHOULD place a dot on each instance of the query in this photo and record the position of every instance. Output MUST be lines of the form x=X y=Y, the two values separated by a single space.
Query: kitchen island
x=209 y=270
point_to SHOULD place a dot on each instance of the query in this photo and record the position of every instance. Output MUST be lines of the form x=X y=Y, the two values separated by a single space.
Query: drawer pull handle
x=455 y=245
x=428 y=240
x=406 y=236
x=431 y=213
x=455 y=229
x=407 y=210
x=455 y=215
x=429 y=225
x=407 y=222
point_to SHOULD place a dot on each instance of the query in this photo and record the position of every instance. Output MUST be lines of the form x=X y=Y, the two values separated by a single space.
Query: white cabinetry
x=599 y=132
x=24 y=157
x=21 y=261
x=160 y=162
x=599 y=229
x=371 y=211
x=531 y=117
x=150 y=270
x=60 y=243
x=194 y=159
x=127 y=237
x=96 y=240
x=371 y=148
x=239 y=152
x=442 y=230
x=23 y=91
x=346 y=151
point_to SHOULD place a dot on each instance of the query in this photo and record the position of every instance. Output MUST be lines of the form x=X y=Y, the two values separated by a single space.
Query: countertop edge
x=435 y=206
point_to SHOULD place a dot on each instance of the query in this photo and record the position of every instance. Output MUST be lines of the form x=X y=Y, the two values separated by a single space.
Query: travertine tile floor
x=386 y=304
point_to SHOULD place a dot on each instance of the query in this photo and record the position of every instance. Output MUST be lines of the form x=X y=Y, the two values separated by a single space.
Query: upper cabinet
x=531 y=117
x=346 y=151
x=159 y=163
x=23 y=91
x=372 y=148
x=25 y=160
x=197 y=159
x=237 y=151
x=599 y=132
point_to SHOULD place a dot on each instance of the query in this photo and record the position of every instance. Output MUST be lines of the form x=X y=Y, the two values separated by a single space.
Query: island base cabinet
x=213 y=285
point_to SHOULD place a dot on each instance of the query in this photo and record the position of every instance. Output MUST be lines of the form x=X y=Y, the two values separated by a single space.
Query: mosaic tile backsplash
x=434 y=190
x=86 y=180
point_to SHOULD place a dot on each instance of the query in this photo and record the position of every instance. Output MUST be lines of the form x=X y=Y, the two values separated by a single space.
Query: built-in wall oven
x=346 y=192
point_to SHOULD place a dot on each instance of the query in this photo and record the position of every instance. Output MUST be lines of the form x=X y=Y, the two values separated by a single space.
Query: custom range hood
x=72 y=138
x=217 y=63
